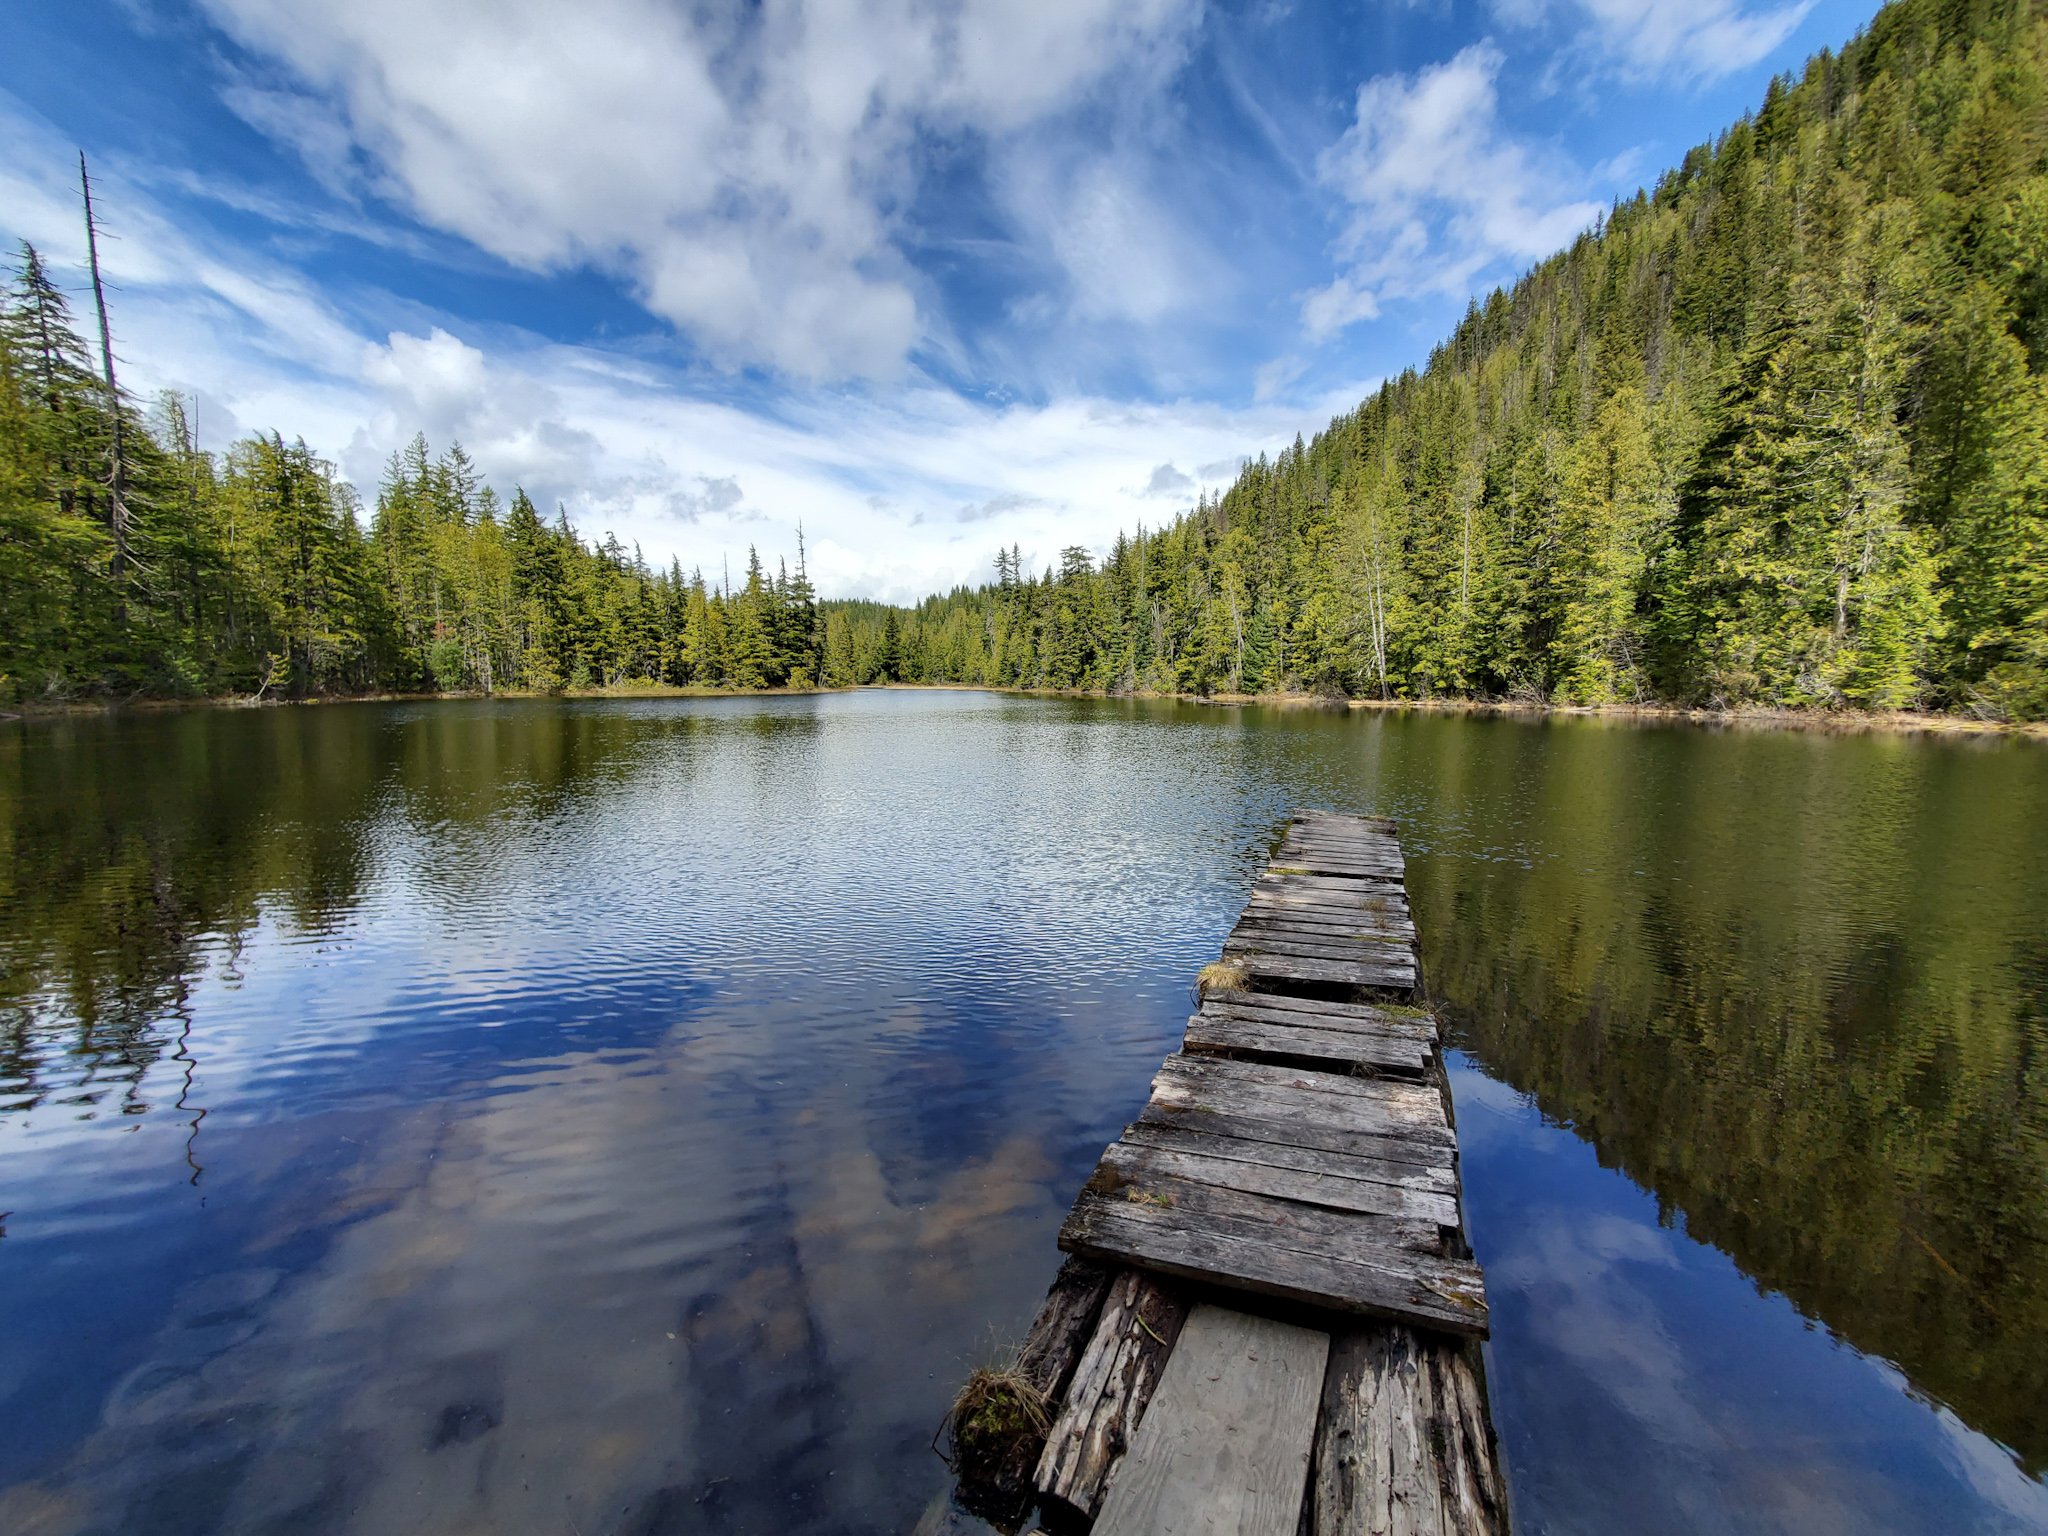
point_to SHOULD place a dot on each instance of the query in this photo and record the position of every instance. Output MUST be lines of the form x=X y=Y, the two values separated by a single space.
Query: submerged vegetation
x=1776 y=434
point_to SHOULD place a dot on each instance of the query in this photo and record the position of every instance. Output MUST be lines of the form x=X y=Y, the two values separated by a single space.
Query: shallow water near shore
x=637 y=1115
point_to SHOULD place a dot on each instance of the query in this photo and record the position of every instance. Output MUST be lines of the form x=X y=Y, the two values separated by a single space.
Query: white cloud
x=1438 y=191
x=1273 y=379
x=1122 y=252
x=748 y=176
x=1685 y=39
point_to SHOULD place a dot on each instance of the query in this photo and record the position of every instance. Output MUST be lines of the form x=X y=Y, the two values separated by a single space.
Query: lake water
x=637 y=1116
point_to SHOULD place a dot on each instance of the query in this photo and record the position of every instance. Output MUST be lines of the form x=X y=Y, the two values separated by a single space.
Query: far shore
x=1828 y=721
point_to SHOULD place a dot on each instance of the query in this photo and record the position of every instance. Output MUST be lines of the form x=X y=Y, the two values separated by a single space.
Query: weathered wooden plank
x=1416 y=1135
x=1364 y=837
x=1237 y=1212
x=1302 y=906
x=1283 y=882
x=1446 y=1294
x=1356 y=938
x=1363 y=923
x=1382 y=848
x=1373 y=926
x=1295 y=914
x=1224 y=1450
x=1246 y=1119
x=1061 y=1330
x=1373 y=1015
x=1287 y=880
x=1338 y=858
x=1432 y=1178
x=1314 y=947
x=1412 y=1045
x=1404 y=1446
x=1112 y=1383
x=1417 y=1103
x=1298 y=908
x=1314 y=815
x=1125 y=1165
x=1312 y=862
x=1341 y=1048
x=1400 y=978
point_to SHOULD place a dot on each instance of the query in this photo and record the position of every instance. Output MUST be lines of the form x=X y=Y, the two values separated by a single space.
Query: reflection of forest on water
x=139 y=849
x=1807 y=1009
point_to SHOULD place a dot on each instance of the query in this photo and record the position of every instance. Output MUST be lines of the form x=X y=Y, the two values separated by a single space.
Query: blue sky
x=928 y=276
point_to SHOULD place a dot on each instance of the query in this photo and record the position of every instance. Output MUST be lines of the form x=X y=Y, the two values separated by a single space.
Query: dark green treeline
x=1776 y=434
x=253 y=571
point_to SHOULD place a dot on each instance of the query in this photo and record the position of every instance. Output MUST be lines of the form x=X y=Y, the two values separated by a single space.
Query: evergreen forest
x=1774 y=434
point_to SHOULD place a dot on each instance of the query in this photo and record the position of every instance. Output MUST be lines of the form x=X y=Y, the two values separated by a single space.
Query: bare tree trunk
x=117 y=476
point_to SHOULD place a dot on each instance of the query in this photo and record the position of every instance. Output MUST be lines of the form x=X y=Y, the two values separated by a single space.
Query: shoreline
x=1825 y=722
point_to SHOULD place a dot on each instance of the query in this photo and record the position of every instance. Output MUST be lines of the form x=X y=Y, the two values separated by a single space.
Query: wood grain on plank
x=1224 y=1449
x=1370 y=1188
x=1112 y=1383
x=1258 y=1122
x=1315 y=1228
x=1223 y=1033
x=1416 y=1033
x=1374 y=1015
x=1404 y=1446
x=1446 y=1294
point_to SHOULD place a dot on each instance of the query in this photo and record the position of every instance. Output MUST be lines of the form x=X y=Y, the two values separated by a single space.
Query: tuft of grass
x=1405 y=1010
x=1153 y=1197
x=1287 y=869
x=999 y=1423
x=1221 y=976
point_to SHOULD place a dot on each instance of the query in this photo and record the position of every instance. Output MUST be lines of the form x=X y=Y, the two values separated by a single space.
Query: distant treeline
x=252 y=571
x=1776 y=434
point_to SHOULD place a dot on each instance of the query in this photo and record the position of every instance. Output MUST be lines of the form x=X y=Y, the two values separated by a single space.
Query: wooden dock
x=1269 y=1321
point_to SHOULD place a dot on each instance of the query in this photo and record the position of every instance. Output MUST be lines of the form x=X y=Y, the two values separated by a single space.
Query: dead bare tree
x=117 y=468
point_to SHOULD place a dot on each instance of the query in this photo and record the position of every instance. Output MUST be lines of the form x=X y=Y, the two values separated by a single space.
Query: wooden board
x=1224 y=1448
x=1369 y=1277
x=1395 y=976
x=1366 y=1015
x=1264 y=1039
x=1404 y=1445
x=1255 y=1122
x=1369 y=1187
x=1192 y=1088
x=1112 y=1383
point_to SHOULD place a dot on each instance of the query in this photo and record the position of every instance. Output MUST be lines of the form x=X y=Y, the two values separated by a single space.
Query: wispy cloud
x=1687 y=40
x=1438 y=191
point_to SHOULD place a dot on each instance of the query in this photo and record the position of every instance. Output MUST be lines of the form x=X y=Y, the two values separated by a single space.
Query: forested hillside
x=1776 y=435
x=253 y=571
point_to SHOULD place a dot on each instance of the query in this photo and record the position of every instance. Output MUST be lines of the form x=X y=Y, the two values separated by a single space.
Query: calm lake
x=636 y=1116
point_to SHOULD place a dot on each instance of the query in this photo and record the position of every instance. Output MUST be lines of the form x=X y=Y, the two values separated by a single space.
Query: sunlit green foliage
x=255 y=571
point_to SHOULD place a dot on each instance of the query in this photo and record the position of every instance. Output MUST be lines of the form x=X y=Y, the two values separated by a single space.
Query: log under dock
x=1269 y=1320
